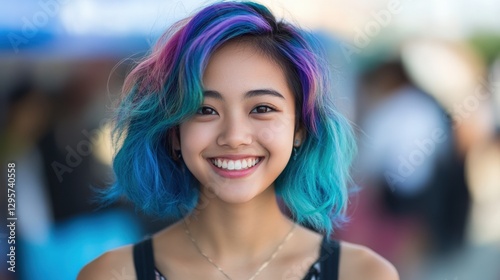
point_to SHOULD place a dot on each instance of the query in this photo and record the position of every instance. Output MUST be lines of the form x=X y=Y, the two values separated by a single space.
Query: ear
x=173 y=142
x=299 y=136
x=175 y=138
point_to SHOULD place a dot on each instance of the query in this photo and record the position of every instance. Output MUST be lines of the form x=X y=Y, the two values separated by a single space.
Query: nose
x=235 y=132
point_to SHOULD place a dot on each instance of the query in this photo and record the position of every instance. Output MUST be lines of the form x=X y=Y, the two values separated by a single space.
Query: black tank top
x=326 y=266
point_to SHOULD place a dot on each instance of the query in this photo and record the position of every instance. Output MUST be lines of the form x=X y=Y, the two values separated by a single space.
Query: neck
x=239 y=230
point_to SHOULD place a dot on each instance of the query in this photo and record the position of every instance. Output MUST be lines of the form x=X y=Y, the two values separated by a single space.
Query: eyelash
x=200 y=111
x=268 y=110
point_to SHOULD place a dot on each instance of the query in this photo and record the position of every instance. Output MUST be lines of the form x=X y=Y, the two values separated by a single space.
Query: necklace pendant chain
x=261 y=268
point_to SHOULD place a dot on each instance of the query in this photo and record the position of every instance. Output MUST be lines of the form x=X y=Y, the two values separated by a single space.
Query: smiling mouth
x=240 y=164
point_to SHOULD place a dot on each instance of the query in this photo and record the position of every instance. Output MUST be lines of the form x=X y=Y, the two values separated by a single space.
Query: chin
x=235 y=199
x=235 y=194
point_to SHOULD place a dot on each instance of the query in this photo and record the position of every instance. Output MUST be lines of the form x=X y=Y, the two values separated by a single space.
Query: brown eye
x=206 y=111
x=262 y=109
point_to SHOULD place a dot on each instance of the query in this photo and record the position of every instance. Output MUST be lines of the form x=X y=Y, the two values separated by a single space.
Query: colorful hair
x=166 y=88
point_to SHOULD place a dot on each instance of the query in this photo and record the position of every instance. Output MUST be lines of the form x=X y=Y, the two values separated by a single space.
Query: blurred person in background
x=478 y=258
x=44 y=136
x=409 y=172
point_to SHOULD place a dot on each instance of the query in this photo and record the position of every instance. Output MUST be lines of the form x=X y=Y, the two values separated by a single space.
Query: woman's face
x=242 y=137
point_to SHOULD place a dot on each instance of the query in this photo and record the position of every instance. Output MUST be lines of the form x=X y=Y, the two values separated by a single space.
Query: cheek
x=195 y=136
x=277 y=138
x=277 y=132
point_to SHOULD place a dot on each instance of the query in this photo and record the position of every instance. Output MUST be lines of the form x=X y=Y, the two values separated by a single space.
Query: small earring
x=296 y=144
x=178 y=154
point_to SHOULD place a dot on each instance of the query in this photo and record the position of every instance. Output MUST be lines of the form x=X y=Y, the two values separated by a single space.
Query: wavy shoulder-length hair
x=166 y=89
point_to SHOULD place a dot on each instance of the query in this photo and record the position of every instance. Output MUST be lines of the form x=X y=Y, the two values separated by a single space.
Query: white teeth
x=235 y=164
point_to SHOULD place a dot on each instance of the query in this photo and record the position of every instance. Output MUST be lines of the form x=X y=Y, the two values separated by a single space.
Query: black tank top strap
x=144 y=260
x=330 y=259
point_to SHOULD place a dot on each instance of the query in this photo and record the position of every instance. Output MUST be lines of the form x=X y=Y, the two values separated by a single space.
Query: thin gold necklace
x=262 y=267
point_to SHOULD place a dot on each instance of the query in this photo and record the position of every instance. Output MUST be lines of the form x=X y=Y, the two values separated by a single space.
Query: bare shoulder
x=360 y=262
x=115 y=264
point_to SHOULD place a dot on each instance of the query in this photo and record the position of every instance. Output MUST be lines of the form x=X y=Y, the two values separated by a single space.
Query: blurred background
x=419 y=80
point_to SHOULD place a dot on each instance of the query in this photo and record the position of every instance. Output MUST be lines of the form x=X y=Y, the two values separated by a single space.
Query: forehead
x=241 y=67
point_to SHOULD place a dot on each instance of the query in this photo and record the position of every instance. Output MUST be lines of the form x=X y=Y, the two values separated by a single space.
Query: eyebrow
x=248 y=94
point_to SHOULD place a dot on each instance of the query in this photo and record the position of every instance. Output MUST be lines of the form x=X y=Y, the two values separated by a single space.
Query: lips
x=235 y=164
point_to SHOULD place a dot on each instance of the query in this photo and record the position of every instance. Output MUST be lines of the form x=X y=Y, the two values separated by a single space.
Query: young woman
x=230 y=114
